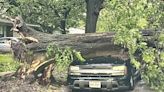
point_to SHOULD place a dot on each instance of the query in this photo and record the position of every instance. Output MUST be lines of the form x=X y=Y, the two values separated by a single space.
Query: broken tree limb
x=18 y=25
x=44 y=64
x=38 y=66
x=28 y=40
x=47 y=73
x=45 y=70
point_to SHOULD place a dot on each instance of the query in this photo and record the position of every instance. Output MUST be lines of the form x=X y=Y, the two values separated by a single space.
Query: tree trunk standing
x=63 y=21
x=93 y=9
x=62 y=26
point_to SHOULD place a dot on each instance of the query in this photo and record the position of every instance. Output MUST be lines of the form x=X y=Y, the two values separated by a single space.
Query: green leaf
x=142 y=23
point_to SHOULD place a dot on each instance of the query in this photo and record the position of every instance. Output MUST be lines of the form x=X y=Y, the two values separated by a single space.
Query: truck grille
x=94 y=77
x=95 y=67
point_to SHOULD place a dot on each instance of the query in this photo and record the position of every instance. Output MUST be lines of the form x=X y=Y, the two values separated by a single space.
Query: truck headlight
x=73 y=73
x=119 y=68
x=122 y=69
x=74 y=68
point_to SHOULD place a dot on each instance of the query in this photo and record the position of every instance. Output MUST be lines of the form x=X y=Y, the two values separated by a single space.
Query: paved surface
x=140 y=87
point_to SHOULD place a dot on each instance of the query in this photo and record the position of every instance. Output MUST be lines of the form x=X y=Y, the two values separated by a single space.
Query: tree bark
x=63 y=21
x=90 y=44
x=93 y=9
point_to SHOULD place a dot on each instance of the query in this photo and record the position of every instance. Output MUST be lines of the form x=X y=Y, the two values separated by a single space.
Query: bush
x=7 y=63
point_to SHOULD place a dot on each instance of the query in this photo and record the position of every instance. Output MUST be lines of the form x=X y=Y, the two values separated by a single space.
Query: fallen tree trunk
x=90 y=44
x=95 y=44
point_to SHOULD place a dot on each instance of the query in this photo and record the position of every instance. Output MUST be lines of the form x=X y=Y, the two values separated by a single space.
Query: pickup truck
x=102 y=73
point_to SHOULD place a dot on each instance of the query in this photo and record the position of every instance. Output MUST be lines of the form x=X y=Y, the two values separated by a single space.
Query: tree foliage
x=127 y=18
x=50 y=14
x=63 y=56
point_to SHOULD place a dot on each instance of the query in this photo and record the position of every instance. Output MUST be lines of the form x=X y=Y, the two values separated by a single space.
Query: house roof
x=5 y=22
x=9 y=23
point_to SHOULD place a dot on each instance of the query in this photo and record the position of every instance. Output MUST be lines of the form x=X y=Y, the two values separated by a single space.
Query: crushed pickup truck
x=102 y=73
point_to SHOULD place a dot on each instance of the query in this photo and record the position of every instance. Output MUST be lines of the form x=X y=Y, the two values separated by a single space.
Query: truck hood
x=98 y=66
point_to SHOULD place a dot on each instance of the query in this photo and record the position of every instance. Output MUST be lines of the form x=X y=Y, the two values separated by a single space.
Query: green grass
x=7 y=63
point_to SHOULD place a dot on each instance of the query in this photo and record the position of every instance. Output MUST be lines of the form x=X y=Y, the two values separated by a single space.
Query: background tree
x=93 y=8
x=50 y=14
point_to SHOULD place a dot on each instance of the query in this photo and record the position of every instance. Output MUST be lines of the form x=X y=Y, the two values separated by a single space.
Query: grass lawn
x=7 y=63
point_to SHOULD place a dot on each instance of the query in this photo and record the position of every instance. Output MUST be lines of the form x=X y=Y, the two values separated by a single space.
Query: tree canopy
x=127 y=18
x=52 y=15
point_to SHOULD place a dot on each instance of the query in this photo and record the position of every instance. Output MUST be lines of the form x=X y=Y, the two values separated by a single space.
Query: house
x=6 y=25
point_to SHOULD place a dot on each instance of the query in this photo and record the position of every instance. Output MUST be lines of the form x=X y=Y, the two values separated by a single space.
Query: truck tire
x=74 y=90
x=131 y=83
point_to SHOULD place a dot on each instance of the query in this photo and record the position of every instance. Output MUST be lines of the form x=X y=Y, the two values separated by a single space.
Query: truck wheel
x=139 y=78
x=131 y=83
x=73 y=90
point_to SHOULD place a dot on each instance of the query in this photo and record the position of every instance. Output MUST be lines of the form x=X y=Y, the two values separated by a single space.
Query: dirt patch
x=13 y=84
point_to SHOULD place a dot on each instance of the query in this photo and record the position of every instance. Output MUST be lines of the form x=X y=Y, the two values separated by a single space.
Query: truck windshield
x=101 y=60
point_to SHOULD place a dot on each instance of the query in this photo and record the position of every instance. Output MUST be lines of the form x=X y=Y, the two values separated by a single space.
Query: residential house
x=6 y=25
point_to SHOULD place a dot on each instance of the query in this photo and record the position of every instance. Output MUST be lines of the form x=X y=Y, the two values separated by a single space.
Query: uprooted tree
x=43 y=66
x=90 y=45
